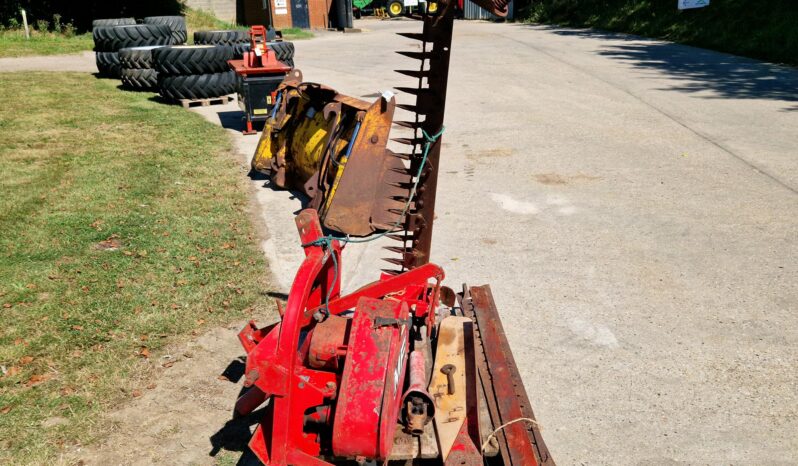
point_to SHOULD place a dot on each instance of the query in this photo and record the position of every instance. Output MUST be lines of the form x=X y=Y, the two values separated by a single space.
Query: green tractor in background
x=392 y=8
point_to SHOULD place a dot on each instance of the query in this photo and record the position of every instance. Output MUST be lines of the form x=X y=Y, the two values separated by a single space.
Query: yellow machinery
x=332 y=148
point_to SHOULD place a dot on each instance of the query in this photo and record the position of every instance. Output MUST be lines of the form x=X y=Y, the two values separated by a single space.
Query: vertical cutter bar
x=520 y=443
x=430 y=103
x=439 y=28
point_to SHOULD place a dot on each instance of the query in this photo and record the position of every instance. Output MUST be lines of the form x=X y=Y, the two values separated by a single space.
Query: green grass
x=763 y=30
x=296 y=34
x=199 y=20
x=14 y=44
x=124 y=227
x=227 y=458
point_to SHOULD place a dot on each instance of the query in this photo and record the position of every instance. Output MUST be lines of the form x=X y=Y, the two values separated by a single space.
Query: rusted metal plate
x=520 y=443
x=327 y=343
x=366 y=196
x=406 y=446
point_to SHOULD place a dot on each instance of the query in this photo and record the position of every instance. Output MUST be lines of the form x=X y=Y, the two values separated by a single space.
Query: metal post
x=25 y=22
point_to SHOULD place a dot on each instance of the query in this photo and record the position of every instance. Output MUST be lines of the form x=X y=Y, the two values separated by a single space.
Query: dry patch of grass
x=124 y=229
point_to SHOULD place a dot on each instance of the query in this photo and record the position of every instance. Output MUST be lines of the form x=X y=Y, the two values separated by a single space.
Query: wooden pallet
x=187 y=103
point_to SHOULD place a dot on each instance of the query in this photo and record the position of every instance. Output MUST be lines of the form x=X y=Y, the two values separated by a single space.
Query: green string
x=326 y=241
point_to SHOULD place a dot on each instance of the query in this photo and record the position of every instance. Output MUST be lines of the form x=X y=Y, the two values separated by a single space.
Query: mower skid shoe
x=520 y=443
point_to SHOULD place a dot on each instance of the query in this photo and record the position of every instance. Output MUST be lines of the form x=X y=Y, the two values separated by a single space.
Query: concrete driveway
x=633 y=205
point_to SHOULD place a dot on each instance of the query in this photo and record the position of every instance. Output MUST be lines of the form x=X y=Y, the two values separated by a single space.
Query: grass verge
x=125 y=228
x=199 y=20
x=296 y=34
x=763 y=30
x=14 y=44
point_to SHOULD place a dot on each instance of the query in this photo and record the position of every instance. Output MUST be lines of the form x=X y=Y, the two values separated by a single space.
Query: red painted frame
x=275 y=366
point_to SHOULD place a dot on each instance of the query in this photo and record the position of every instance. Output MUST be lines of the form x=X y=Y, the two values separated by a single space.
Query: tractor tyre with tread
x=284 y=51
x=141 y=79
x=221 y=37
x=197 y=86
x=176 y=24
x=192 y=59
x=137 y=57
x=112 y=22
x=115 y=38
x=108 y=64
x=239 y=50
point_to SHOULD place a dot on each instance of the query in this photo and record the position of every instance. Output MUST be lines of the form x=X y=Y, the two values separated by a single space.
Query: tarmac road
x=633 y=205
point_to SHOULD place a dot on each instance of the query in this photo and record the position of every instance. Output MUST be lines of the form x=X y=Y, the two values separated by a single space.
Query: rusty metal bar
x=429 y=108
x=520 y=443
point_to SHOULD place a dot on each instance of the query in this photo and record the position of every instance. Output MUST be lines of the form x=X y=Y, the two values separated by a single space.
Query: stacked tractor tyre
x=233 y=38
x=149 y=56
x=194 y=72
x=176 y=24
x=239 y=41
x=137 y=70
x=108 y=62
x=110 y=39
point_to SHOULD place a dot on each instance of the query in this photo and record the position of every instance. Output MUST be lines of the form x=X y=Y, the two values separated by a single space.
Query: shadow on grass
x=123 y=87
x=727 y=76
x=277 y=295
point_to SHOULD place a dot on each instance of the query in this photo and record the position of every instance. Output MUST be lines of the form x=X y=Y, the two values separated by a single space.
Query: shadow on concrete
x=727 y=76
x=236 y=120
x=235 y=434
x=699 y=70
x=268 y=183
x=583 y=32
x=235 y=370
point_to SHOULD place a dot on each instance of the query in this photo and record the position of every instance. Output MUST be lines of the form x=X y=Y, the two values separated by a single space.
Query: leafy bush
x=81 y=12
x=764 y=30
x=68 y=30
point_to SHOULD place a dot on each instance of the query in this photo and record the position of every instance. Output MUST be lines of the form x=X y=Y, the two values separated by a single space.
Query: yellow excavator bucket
x=332 y=147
